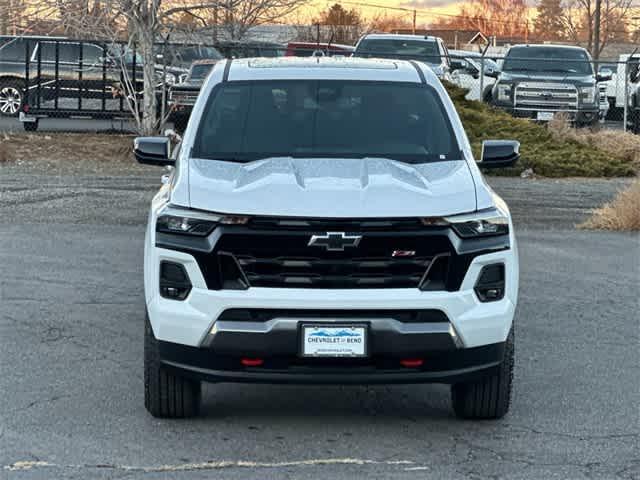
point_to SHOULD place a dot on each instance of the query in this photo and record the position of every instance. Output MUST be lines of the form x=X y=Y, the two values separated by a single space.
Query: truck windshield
x=548 y=59
x=200 y=71
x=246 y=121
x=423 y=50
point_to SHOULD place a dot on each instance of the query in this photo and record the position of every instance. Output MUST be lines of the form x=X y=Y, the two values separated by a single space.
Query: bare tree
x=238 y=16
x=579 y=18
x=145 y=22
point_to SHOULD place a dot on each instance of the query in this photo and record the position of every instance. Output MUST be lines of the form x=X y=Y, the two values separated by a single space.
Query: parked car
x=428 y=49
x=22 y=56
x=307 y=49
x=182 y=56
x=615 y=86
x=634 y=111
x=539 y=81
x=466 y=70
x=247 y=49
x=182 y=97
x=40 y=75
x=326 y=222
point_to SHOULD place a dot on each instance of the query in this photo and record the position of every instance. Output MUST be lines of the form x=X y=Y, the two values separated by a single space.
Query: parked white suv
x=326 y=222
x=423 y=48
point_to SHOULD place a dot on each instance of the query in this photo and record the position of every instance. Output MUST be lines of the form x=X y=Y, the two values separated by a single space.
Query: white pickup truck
x=615 y=86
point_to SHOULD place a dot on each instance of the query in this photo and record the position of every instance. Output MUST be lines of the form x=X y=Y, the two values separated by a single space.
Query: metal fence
x=540 y=88
x=72 y=81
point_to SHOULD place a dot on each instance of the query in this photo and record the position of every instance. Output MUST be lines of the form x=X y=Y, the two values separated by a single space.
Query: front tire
x=489 y=397
x=10 y=98
x=166 y=395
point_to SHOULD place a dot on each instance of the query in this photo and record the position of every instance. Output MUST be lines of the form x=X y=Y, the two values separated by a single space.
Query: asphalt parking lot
x=71 y=320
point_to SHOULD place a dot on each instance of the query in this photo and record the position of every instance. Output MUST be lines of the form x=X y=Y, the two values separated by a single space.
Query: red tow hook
x=411 y=362
x=251 y=362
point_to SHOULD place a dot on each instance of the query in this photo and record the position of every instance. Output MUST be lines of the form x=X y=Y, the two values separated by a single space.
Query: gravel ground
x=71 y=358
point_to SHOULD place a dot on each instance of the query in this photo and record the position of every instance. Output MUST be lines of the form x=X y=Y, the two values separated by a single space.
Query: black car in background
x=182 y=96
x=46 y=72
x=249 y=49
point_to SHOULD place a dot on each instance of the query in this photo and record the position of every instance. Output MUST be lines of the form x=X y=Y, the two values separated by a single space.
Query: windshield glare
x=545 y=59
x=246 y=121
x=424 y=50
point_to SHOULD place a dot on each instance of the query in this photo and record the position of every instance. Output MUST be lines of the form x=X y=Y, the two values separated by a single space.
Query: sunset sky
x=428 y=10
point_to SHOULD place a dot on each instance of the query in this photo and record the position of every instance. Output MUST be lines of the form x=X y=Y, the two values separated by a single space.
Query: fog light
x=490 y=285
x=174 y=281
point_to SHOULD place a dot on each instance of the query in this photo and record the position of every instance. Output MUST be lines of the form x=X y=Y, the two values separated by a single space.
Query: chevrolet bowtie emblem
x=335 y=241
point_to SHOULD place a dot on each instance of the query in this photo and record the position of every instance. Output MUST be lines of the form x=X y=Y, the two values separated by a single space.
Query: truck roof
x=328 y=68
x=398 y=36
x=547 y=45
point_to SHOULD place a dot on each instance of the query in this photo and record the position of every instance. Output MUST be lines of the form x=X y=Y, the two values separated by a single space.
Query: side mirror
x=457 y=64
x=604 y=75
x=490 y=72
x=499 y=153
x=153 y=151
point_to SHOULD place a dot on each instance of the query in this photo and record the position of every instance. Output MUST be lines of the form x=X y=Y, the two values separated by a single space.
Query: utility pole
x=415 y=15
x=596 y=31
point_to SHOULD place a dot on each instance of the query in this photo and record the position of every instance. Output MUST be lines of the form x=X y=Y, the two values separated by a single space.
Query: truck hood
x=551 y=77
x=316 y=187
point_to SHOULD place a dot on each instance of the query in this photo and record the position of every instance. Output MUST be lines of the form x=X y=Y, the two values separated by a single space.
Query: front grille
x=264 y=315
x=323 y=272
x=183 y=98
x=603 y=100
x=263 y=254
x=545 y=96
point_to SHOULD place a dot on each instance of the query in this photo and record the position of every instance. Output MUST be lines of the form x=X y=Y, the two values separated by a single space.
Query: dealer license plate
x=545 y=116
x=334 y=340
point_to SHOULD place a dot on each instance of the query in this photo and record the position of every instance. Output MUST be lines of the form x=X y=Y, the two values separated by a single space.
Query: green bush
x=539 y=151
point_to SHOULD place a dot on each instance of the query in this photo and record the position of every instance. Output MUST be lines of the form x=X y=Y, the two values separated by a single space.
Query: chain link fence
x=540 y=88
x=89 y=85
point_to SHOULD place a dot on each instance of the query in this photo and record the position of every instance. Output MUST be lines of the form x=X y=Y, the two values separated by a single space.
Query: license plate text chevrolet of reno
x=325 y=222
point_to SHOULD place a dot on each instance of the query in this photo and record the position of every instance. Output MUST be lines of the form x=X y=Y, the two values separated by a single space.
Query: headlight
x=170 y=79
x=504 y=93
x=588 y=94
x=485 y=223
x=193 y=222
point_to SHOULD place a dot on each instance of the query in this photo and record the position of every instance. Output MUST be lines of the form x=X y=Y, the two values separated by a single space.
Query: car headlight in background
x=193 y=222
x=588 y=94
x=504 y=92
x=485 y=223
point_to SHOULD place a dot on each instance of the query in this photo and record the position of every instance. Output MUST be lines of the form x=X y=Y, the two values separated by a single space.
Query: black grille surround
x=265 y=314
x=275 y=253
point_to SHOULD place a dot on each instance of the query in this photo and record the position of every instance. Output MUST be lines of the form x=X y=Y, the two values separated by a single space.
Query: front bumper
x=450 y=366
x=191 y=321
x=586 y=116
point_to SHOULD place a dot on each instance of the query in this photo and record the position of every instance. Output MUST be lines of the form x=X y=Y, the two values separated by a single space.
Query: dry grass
x=623 y=145
x=52 y=152
x=547 y=152
x=623 y=213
